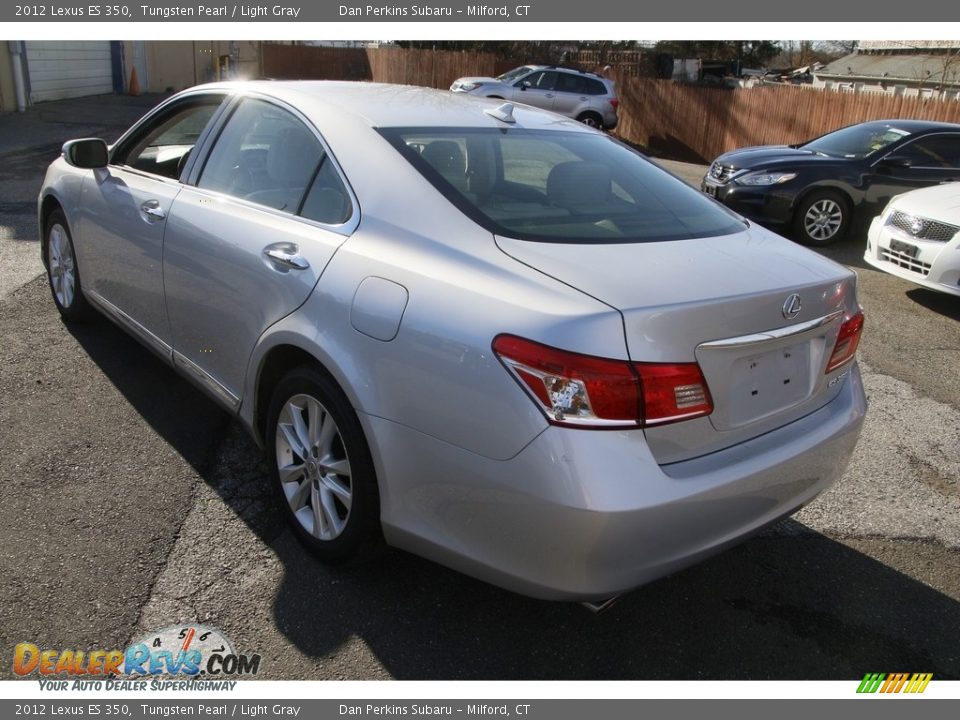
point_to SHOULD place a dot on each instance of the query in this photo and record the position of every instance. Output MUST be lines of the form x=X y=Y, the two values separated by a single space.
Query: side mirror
x=86 y=153
x=525 y=84
x=896 y=162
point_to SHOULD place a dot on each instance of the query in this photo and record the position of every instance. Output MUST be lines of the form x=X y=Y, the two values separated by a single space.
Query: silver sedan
x=483 y=333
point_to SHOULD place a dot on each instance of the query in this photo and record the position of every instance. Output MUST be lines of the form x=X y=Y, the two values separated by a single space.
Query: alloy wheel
x=823 y=219
x=313 y=467
x=62 y=266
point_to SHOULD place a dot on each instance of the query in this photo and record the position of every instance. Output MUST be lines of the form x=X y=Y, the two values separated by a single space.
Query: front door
x=124 y=210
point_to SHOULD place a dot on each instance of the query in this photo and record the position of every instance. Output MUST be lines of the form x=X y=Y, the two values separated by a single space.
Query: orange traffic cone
x=134 y=87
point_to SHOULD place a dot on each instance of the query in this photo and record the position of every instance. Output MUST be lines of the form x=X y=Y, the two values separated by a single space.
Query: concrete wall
x=8 y=97
x=180 y=64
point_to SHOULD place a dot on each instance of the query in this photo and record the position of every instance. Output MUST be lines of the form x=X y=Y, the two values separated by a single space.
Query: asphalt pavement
x=130 y=503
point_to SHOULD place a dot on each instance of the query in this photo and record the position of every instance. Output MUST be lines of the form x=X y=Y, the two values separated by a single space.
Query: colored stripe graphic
x=894 y=682
x=871 y=682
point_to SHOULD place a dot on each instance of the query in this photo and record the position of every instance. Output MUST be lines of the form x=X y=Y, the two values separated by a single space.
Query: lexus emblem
x=792 y=307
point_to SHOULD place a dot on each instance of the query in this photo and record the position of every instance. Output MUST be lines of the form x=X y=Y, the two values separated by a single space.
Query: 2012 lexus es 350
x=483 y=333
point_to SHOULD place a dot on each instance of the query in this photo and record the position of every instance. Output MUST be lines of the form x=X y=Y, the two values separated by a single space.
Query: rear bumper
x=583 y=515
x=933 y=265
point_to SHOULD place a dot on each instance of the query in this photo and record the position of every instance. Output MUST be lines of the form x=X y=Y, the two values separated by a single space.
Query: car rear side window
x=264 y=155
x=555 y=186
x=933 y=151
x=567 y=82
x=327 y=201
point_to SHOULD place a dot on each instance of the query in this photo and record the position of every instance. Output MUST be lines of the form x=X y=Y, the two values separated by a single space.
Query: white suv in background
x=584 y=96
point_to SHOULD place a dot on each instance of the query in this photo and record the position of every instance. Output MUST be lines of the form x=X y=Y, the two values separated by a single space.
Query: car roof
x=914 y=126
x=384 y=105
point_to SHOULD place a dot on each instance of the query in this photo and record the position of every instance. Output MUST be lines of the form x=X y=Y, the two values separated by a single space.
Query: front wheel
x=62 y=272
x=322 y=468
x=822 y=218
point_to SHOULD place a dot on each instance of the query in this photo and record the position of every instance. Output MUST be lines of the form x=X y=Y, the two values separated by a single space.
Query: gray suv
x=587 y=97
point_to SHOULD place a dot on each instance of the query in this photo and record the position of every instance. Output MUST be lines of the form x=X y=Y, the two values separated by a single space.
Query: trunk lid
x=726 y=303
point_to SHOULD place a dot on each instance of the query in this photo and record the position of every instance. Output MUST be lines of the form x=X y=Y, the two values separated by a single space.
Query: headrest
x=579 y=182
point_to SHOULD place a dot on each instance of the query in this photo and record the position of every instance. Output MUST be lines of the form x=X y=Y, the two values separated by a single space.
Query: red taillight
x=570 y=388
x=586 y=391
x=673 y=392
x=847 y=341
x=615 y=103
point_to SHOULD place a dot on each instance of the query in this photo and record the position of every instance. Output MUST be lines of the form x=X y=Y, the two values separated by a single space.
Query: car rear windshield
x=856 y=141
x=557 y=186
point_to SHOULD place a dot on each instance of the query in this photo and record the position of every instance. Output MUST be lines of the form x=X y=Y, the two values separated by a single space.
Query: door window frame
x=909 y=141
x=159 y=115
x=196 y=164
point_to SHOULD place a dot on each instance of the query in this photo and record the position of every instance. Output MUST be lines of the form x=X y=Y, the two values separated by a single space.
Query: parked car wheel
x=62 y=272
x=591 y=120
x=822 y=218
x=322 y=468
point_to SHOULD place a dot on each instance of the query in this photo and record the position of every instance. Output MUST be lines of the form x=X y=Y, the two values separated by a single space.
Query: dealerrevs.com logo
x=193 y=651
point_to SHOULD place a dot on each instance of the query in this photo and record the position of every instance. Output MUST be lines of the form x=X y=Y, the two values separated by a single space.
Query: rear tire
x=63 y=275
x=822 y=218
x=591 y=119
x=321 y=467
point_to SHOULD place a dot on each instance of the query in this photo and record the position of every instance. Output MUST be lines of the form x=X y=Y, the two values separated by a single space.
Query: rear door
x=569 y=93
x=932 y=159
x=537 y=89
x=247 y=243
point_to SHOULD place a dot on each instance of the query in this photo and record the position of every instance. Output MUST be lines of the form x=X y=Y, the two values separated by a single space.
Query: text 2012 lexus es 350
x=483 y=333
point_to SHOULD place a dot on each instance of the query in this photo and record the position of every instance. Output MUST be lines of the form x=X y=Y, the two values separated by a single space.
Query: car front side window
x=162 y=146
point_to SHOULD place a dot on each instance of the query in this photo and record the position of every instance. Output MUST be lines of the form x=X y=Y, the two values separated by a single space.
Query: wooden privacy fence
x=693 y=123
x=685 y=122
x=430 y=68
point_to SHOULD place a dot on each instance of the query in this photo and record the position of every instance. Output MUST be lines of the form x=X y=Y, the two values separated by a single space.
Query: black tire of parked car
x=361 y=537
x=828 y=204
x=591 y=119
x=74 y=308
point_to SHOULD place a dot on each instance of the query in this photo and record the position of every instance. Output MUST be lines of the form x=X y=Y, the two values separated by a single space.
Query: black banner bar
x=164 y=11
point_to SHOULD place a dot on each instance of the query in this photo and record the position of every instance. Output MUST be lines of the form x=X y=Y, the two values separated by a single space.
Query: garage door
x=68 y=69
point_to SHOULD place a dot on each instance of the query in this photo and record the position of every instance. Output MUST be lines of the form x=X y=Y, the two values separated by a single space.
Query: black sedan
x=819 y=188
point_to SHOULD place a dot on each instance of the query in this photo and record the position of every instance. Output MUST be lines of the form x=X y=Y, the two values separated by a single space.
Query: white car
x=917 y=238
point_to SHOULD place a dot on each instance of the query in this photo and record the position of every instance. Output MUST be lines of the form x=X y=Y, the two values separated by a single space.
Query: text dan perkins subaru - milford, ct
x=484 y=333
x=390 y=11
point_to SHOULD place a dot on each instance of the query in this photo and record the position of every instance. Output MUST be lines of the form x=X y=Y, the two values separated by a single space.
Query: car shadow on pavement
x=174 y=408
x=946 y=305
x=793 y=606
x=789 y=604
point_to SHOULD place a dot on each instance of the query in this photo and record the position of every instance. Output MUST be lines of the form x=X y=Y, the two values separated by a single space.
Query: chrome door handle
x=286 y=256
x=153 y=209
x=549 y=95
